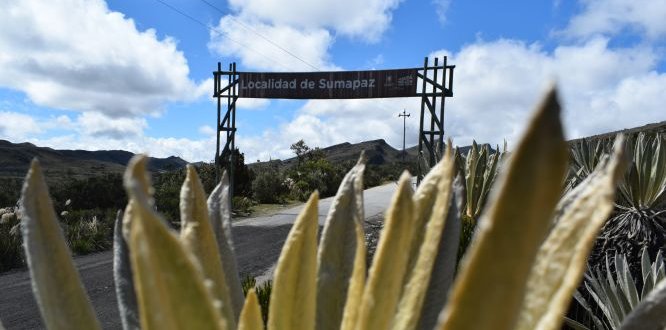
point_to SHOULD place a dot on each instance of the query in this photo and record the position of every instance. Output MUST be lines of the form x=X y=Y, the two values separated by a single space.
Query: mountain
x=649 y=128
x=15 y=160
x=378 y=152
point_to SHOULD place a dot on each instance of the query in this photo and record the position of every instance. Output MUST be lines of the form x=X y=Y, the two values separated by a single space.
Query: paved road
x=258 y=242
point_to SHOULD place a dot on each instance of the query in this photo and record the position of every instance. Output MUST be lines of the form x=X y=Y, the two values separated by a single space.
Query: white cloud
x=252 y=104
x=207 y=130
x=16 y=126
x=79 y=55
x=96 y=124
x=366 y=20
x=442 y=8
x=497 y=84
x=249 y=41
x=609 y=17
x=321 y=123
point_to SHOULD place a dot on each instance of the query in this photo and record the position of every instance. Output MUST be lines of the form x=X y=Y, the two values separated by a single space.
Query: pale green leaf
x=491 y=282
x=444 y=270
x=61 y=298
x=293 y=299
x=250 y=317
x=418 y=279
x=562 y=258
x=384 y=285
x=198 y=238
x=165 y=274
x=650 y=313
x=122 y=278
x=336 y=257
x=219 y=211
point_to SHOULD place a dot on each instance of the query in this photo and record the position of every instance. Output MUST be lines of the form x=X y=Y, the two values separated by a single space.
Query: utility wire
x=245 y=26
x=222 y=33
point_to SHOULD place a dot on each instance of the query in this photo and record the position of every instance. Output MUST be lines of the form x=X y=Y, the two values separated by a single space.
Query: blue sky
x=136 y=75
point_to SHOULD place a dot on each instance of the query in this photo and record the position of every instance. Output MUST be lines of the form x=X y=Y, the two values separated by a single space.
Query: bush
x=11 y=249
x=242 y=205
x=101 y=192
x=88 y=231
x=268 y=186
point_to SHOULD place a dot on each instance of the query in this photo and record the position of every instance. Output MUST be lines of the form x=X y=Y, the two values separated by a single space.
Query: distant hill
x=378 y=152
x=649 y=128
x=15 y=160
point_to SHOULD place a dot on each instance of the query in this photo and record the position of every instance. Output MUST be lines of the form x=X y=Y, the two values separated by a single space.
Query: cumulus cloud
x=79 y=55
x=502 y=81
x=272 y=47
x=442 y=8
x=610 y=17
x=366 y=20
x=497 y=84
x=321 y=123
x=17 y=126
x=96 y=124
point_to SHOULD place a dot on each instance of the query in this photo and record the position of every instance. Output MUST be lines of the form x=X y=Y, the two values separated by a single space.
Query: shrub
x=88 y=231
x=11 y=250
x=242 y=205
x=268 y=186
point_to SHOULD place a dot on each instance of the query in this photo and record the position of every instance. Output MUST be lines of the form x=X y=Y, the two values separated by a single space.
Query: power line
x=222 y=33
x=261 y=36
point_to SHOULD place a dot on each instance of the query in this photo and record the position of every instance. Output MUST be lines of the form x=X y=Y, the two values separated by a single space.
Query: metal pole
x=404 y=116
x=216 y=88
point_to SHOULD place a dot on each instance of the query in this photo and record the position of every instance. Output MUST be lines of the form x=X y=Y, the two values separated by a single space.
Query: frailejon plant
x=479 y=169
x=615 y=294
x=639 y=218
x=527 y=256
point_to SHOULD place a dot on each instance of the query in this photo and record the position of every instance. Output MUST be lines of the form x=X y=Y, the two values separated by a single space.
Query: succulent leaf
x=337 y=258
x=250 y=317
x=198 y=238
x=165 y=273
x=650 y=313
x=418 y=280
x=62 y=300
x=122 y=278
x=508 y=236
x=385 y=281
x=443 y=272
x=562 y=258
x=219 y=210
x=293 y=299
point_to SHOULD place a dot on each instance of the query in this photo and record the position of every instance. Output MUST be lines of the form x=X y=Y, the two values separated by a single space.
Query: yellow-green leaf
x=61 y=298
x=293 y=299
x=562 y=258
x=250 y=317
x=418 y=279
x=170 y=285
x=424 y=200
x=219 y=211
x=337 y=257
x=198 y=238
x=490 y=285
x=382 y=291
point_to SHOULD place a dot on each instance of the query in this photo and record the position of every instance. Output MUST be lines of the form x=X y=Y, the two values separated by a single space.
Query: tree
x=300 y=149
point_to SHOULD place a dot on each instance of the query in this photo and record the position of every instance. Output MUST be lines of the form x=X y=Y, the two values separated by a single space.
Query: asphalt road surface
x=258 y=242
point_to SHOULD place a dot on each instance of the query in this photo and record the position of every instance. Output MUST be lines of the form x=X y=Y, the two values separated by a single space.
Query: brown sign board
x=328 y=85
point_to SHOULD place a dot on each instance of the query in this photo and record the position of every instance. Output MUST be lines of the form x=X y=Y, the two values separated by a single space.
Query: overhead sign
x=328 y=85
